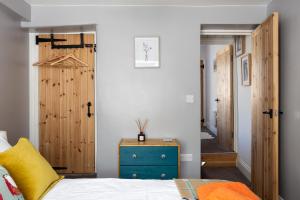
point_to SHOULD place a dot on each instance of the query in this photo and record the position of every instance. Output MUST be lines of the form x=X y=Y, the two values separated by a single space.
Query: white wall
x=208 y=55
x=243 y=117
x=125 y=93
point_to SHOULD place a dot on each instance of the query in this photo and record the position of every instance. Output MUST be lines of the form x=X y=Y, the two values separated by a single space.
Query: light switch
x=189 y=98
x=186 y=157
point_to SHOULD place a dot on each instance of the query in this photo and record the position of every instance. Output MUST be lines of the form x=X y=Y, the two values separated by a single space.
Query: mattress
x=113 y=189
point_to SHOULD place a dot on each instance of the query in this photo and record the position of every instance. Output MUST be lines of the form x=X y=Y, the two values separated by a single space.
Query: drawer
x=149 y=172
x=149 y=155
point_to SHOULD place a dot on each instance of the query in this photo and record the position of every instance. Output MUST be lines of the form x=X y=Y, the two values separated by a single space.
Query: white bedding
x=113 y=189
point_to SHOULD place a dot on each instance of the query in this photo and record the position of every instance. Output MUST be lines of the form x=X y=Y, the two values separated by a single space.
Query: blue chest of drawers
x=153 y=159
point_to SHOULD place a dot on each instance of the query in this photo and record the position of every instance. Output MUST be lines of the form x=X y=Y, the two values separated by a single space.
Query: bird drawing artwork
x=11 y=185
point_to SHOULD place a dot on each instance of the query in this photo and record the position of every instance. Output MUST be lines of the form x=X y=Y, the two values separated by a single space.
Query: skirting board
x=244 y=168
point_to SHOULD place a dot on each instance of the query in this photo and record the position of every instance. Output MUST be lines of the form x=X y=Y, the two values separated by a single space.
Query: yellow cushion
x=31 y=172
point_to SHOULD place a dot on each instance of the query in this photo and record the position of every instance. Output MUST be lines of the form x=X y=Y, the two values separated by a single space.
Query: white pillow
x=4 y=145
x=3 y=134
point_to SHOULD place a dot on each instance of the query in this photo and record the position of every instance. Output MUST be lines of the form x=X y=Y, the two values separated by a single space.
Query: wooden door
x=265 y=105
x=225 y=98
x=67 y=134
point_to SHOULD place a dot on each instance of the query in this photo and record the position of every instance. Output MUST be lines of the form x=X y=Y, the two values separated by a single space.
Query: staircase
x=222 y=159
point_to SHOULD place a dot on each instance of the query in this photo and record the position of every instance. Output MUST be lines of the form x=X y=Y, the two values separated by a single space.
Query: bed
x=113 y=189
x=125 y=189
x=33 y=178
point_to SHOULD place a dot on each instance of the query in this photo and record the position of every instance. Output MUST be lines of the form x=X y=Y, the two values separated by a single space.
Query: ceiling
x=150 y=2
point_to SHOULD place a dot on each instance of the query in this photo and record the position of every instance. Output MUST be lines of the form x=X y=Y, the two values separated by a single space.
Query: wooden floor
x=224 y=173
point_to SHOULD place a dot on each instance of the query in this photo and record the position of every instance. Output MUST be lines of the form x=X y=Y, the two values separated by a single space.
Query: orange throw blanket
x=225 y=191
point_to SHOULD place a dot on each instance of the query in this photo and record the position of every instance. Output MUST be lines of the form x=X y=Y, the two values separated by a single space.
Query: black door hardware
x=269 y=112
x=52 y=40
x=39 y=40
x=60 y=168
x=217 y=100
x=89 y=104
x=281 y=112
x=71 y=46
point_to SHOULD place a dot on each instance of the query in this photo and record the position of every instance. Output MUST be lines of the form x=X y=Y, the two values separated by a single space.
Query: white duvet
x=113 y=189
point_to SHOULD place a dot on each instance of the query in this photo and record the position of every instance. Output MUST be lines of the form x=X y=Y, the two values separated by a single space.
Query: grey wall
x=14 y=89
x=125 y=93
x=20 y=7
x=243 y=116
x=290 y=98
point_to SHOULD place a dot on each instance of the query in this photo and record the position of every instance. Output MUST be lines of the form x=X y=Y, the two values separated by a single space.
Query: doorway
x=255 y=108
x=216 y=80
x=218 y=138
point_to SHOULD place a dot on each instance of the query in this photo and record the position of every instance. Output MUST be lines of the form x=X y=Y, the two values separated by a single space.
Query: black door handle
x=217 y=100
x=269 y=112
x=281 y=112
x=89 y=104
x=60 y=168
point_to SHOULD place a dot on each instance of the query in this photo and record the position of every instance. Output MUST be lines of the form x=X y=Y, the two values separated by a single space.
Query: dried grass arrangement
x=141 y=126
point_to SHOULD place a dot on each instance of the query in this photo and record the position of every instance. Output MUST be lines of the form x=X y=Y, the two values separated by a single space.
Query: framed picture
x=246 y=70
x=239 y=45
x=146 y=52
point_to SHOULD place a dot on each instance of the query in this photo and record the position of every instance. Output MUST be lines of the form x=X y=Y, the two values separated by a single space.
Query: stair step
x=224 y=159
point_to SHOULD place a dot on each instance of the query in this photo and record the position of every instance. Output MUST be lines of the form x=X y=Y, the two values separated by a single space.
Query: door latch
x=89 y=104
x=269 y=112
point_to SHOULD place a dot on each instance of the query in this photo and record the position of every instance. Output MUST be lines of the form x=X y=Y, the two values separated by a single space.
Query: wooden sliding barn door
x=67 y=133
x=265 y=108
x=225 y=98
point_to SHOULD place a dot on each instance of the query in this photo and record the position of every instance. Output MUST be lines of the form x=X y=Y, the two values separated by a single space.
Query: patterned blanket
x=188 y=187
